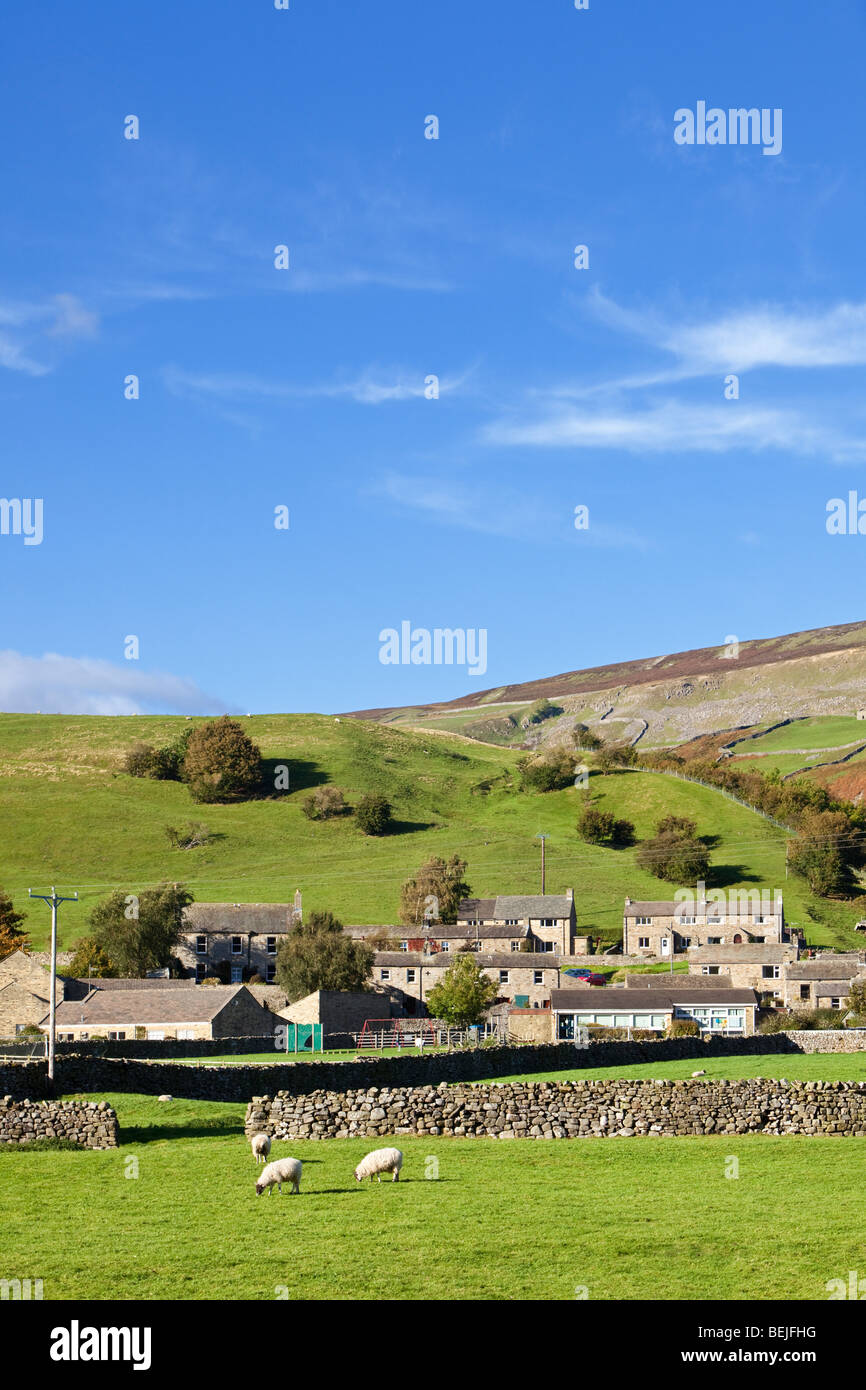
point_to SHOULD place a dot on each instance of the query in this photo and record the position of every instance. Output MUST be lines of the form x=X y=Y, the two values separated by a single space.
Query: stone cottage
x=186 y=1011
x=235 y=941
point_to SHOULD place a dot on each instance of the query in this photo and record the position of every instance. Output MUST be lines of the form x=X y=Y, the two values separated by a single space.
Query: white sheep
x=261 y=1146
x=378 y=1162
x=280 y=1171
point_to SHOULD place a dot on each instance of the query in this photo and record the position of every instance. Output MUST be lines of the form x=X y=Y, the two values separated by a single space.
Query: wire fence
x=698 y=782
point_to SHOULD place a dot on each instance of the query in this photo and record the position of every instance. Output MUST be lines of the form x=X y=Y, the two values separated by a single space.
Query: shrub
x=547 y=772
x=324 y=803
x=601 y=827
x=373 y=814
x=683 y=1028
x=189 y=836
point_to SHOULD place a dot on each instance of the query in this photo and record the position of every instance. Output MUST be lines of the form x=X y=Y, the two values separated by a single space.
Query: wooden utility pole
x=542 y=838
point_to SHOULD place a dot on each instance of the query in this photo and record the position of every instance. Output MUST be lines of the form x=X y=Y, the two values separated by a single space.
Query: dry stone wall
x=90 y=1123
x=567 y=1110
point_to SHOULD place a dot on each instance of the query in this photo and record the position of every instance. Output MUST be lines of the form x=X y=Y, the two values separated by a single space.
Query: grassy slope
x=843 y=1066
x=69 y=816
x=821 y=732
x=594 y=1213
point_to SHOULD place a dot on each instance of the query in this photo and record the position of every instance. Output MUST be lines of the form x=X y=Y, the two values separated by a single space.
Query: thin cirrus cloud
x=83 y=685
x=366 y=389
x=26 y=329
x=497 y=512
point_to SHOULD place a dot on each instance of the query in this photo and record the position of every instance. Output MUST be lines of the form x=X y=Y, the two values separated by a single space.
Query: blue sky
x=559 y=387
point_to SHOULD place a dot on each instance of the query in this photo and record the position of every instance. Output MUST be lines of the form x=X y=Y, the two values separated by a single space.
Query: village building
x=549 y=920
x=25 y=988
x=524 y=979
x=436 y=937
x=820 y=984
x=653 y=929
x=235 y=941
x=730 y=1012
x=119 y=1009
x=751 y=965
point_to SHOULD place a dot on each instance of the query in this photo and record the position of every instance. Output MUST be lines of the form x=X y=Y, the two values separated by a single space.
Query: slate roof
x=628 y=1000
x=825 y=970
x=267 y=919
x=516 y=906
x=440 y=960
x=678 y=983
x=698 y=909
x=770 y=953
x=200 y=1004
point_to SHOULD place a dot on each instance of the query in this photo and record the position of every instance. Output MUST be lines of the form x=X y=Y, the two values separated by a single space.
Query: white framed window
x=404 y=945
x=547 y=922
x=116 y=1037
x=201 y=945
x=444 y=945
x=503 y=977
x=271 y=945
x=384 y=974
x=237 y=945
x=237 y=974
x=709 y=970
x=643 y=921
x=770 y=972
x=643 y=943
x=515 y=945
x=272 y=974
x=155 y=1034
x=411 y=976
x=186 y=1032
x=200 y=971
x=714 y=940
x=538 y=977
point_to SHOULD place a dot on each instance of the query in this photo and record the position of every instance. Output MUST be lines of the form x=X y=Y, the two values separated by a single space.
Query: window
x=237 y=974
x=444 y=946
x=272 y=974
x=543 y=946
x=515 y=945
x=503 y=977
x=83 y=1036
x=834 y=1003
x=804 y=991
x=404 y=945
x=271 y=945
x=512 y=922
x=186 y=1032
x=709 y=970
x=538 y=977
x=547 y=922
x=687 y=921
x=686 y=940
x=200 y=971
x=384 y=974
x=116 y=1037
x=237 y=946
x=410 y=977
x=155 y=1034
x=714 y=941
x=643 y=943
x=770 y=972
x=643 y=921
x=201 y=945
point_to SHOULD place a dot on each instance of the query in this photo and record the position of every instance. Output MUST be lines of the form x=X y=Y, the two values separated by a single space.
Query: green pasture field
x=793 y=1066
x=820 y=732
x=70 y=816
x=172 y=1214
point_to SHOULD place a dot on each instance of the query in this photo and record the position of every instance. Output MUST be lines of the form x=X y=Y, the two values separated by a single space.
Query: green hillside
x=70 y=816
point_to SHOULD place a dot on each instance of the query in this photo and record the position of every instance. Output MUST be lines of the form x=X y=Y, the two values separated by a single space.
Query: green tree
x=12 y=938
x=677 y=858
x=373 y=814
x=602 y=827
x=139 y=932
x=221 y=763
x=585 y=739
x=89 y=961
x=434 y=892
x=319 y=955
x=463 y=995
x=324 y=803
x=613 y=756
x=547 y=772
x=856 y=1000
x=827 y=846
x=677 y=825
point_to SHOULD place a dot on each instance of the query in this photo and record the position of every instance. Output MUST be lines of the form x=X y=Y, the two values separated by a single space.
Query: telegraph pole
x=53 y=901
x=542 y=838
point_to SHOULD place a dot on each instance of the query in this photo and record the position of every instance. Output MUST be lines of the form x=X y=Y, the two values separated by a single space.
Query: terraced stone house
x=524 y=979
x=235 y=941
x=658 y=929
x=547 y=920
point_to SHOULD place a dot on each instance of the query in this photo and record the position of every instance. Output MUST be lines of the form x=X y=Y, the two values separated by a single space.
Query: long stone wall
x=567 y=1110
x=90 y=1123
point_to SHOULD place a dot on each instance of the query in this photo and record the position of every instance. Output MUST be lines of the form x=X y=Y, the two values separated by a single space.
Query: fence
x=698 y=782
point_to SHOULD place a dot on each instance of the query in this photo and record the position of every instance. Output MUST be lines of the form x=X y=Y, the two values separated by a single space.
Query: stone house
x=726 y=1011
x=437 y=937
x=25 y=987
x=338 y=1011
x=524 y=979
x=235 y=940
x=820 y=984
x=656 y=929
x=752 y=965
x=185 y=1011
x=549 y=919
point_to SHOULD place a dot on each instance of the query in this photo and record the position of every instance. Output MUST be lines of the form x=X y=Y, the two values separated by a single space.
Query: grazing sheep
x=378 y=1162
x=280 y=1171
x=165 y=1097
x=261 y=1146
x=699 y=1073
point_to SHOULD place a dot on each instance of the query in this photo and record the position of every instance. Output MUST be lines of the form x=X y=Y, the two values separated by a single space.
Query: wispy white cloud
x=675 y=427
x=83 y=685
x=498 y=512
x=373 y=387
x=27 y=326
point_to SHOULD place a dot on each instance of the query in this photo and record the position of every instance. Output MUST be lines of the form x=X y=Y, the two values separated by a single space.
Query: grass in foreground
x=841 y=1066
x=523 y=1219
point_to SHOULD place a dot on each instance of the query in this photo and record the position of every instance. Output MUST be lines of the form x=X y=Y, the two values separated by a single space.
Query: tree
x=463 y=994
x=585 y=739
x=539 y=711
x=827 y=846
x=602 y=827
x=677 y=858
x=221 y=762
x=12 y=938
x=373 y=814
x=615 y=755
x=140 y=932
x=319 y=955
x=434 y=892
x=324 y=803
x=547 y=772
x=677 y=825
x=161 y=764
x=856 y=1000
x=89 y=961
